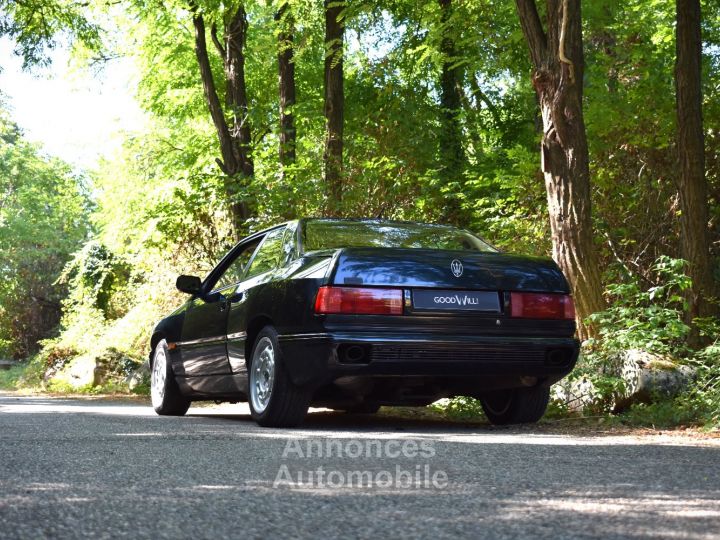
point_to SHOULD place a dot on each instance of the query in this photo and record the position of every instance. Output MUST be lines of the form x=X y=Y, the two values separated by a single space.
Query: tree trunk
x=694 y=236
x=236 y=91
x=334 y=103
x=558 y=74
x=286 y=69
x=227 y=151
x=452 y=155
x=235 y=140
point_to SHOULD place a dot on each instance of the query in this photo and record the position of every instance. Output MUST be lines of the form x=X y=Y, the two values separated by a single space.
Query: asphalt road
x=102 y=469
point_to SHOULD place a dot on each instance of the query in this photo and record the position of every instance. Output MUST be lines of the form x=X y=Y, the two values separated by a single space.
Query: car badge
x=456 y=267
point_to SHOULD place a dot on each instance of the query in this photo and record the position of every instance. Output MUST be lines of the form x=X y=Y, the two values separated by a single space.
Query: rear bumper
x=321 y=357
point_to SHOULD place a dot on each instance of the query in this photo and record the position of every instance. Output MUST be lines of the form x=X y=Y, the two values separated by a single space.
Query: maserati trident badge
x=456 y=267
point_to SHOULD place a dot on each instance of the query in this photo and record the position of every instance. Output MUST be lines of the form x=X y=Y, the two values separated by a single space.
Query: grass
x=9 y=378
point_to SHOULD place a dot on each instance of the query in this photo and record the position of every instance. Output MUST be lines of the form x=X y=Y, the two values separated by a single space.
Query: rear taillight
x=359 y=300
x=541 y=306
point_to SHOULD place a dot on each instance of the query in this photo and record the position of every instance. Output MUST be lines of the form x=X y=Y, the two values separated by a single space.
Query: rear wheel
x=164 y=391
x=274 y=400
x=516 y=406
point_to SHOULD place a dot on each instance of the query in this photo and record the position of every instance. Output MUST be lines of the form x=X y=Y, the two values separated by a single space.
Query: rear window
x=331 y=234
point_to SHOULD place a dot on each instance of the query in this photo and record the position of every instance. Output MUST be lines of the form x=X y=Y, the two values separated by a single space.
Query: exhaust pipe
x=353 y=354
x=557 y=357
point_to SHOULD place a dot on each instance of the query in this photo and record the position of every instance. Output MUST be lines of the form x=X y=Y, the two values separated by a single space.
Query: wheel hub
x=262 y=375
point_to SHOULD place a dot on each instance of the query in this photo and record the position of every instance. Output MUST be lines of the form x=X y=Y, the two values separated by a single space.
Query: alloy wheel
x=159 y=373
x=262 y=374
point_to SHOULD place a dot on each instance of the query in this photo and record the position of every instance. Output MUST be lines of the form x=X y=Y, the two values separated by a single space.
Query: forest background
x=590 y=135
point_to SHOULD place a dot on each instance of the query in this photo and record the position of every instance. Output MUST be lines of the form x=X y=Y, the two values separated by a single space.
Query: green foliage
x=647 y=317
x=93 y=275
x=9 y=378
x=650 y=319
x=35 y=25
x=44 y=210
x=704 y=397
x=459 y=408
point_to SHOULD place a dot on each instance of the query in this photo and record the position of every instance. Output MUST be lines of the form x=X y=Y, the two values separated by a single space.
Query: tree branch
x=216 y=41
x=533 y=31
x=561 y=48
x=479 y=95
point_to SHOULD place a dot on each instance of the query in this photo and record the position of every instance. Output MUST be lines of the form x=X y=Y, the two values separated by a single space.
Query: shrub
x=649 y=319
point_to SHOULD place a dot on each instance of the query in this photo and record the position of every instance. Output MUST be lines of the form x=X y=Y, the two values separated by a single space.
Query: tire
x=516 y=406
x=164 y=391
x=274 y=400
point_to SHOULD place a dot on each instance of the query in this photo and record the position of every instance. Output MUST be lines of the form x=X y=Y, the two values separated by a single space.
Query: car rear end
x=450 y=321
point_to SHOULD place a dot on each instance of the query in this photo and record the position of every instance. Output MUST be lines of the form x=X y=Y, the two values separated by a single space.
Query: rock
x=7 y=364
x=576 y=395
x=96 y=370
x=140 y=376
x=647 y=376
x=77 y=373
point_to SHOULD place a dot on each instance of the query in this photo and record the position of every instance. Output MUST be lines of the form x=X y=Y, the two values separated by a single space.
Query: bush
x=704 y=397
x=458 y=408
x=648 y=319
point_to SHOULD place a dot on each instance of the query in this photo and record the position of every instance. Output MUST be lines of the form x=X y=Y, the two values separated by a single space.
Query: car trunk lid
x=442 y=269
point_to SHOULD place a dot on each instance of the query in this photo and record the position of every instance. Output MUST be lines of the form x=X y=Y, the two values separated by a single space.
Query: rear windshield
x=330 y=234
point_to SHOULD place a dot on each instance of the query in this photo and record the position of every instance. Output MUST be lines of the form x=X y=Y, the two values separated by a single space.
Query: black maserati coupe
x=352 y=314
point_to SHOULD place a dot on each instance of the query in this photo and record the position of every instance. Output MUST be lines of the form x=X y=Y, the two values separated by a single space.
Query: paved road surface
x=101 y=469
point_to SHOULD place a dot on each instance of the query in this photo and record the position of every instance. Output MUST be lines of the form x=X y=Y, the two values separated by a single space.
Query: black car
x=354 y=314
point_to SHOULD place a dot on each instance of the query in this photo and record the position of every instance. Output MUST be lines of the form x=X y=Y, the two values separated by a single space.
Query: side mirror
x=189 y=284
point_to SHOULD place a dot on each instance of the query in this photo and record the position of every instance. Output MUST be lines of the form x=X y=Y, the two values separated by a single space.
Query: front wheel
x=274 y=400
x=516 y=406
x=164 y=391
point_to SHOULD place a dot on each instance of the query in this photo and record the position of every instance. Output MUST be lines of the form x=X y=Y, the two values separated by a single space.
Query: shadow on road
x=86 y=468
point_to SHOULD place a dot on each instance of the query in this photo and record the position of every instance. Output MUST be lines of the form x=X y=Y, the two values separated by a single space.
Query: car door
x=272 y=253
x=203 y=349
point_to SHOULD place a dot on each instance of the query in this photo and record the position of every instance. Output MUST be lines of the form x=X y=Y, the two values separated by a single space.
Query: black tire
x=164 y=391
x=287 y=404
x=516 y=406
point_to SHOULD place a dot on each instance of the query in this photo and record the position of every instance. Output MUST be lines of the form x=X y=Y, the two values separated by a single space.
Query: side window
x=235 y=271
x=289 y=244
x=268 y=256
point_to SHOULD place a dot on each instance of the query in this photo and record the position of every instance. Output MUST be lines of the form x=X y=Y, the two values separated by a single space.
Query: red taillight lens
x=541 y=306
x=359 y=300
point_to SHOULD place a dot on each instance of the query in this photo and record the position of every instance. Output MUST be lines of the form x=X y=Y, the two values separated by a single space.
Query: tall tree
x=557 y=59
x=235 y=139
x=286 y=78
x=452 y=155
x=691 y=151
x=334 y=103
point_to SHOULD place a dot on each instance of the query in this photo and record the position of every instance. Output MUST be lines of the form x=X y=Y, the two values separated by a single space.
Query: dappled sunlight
x=77 y=463
x=31 y=405
x=233 y=421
